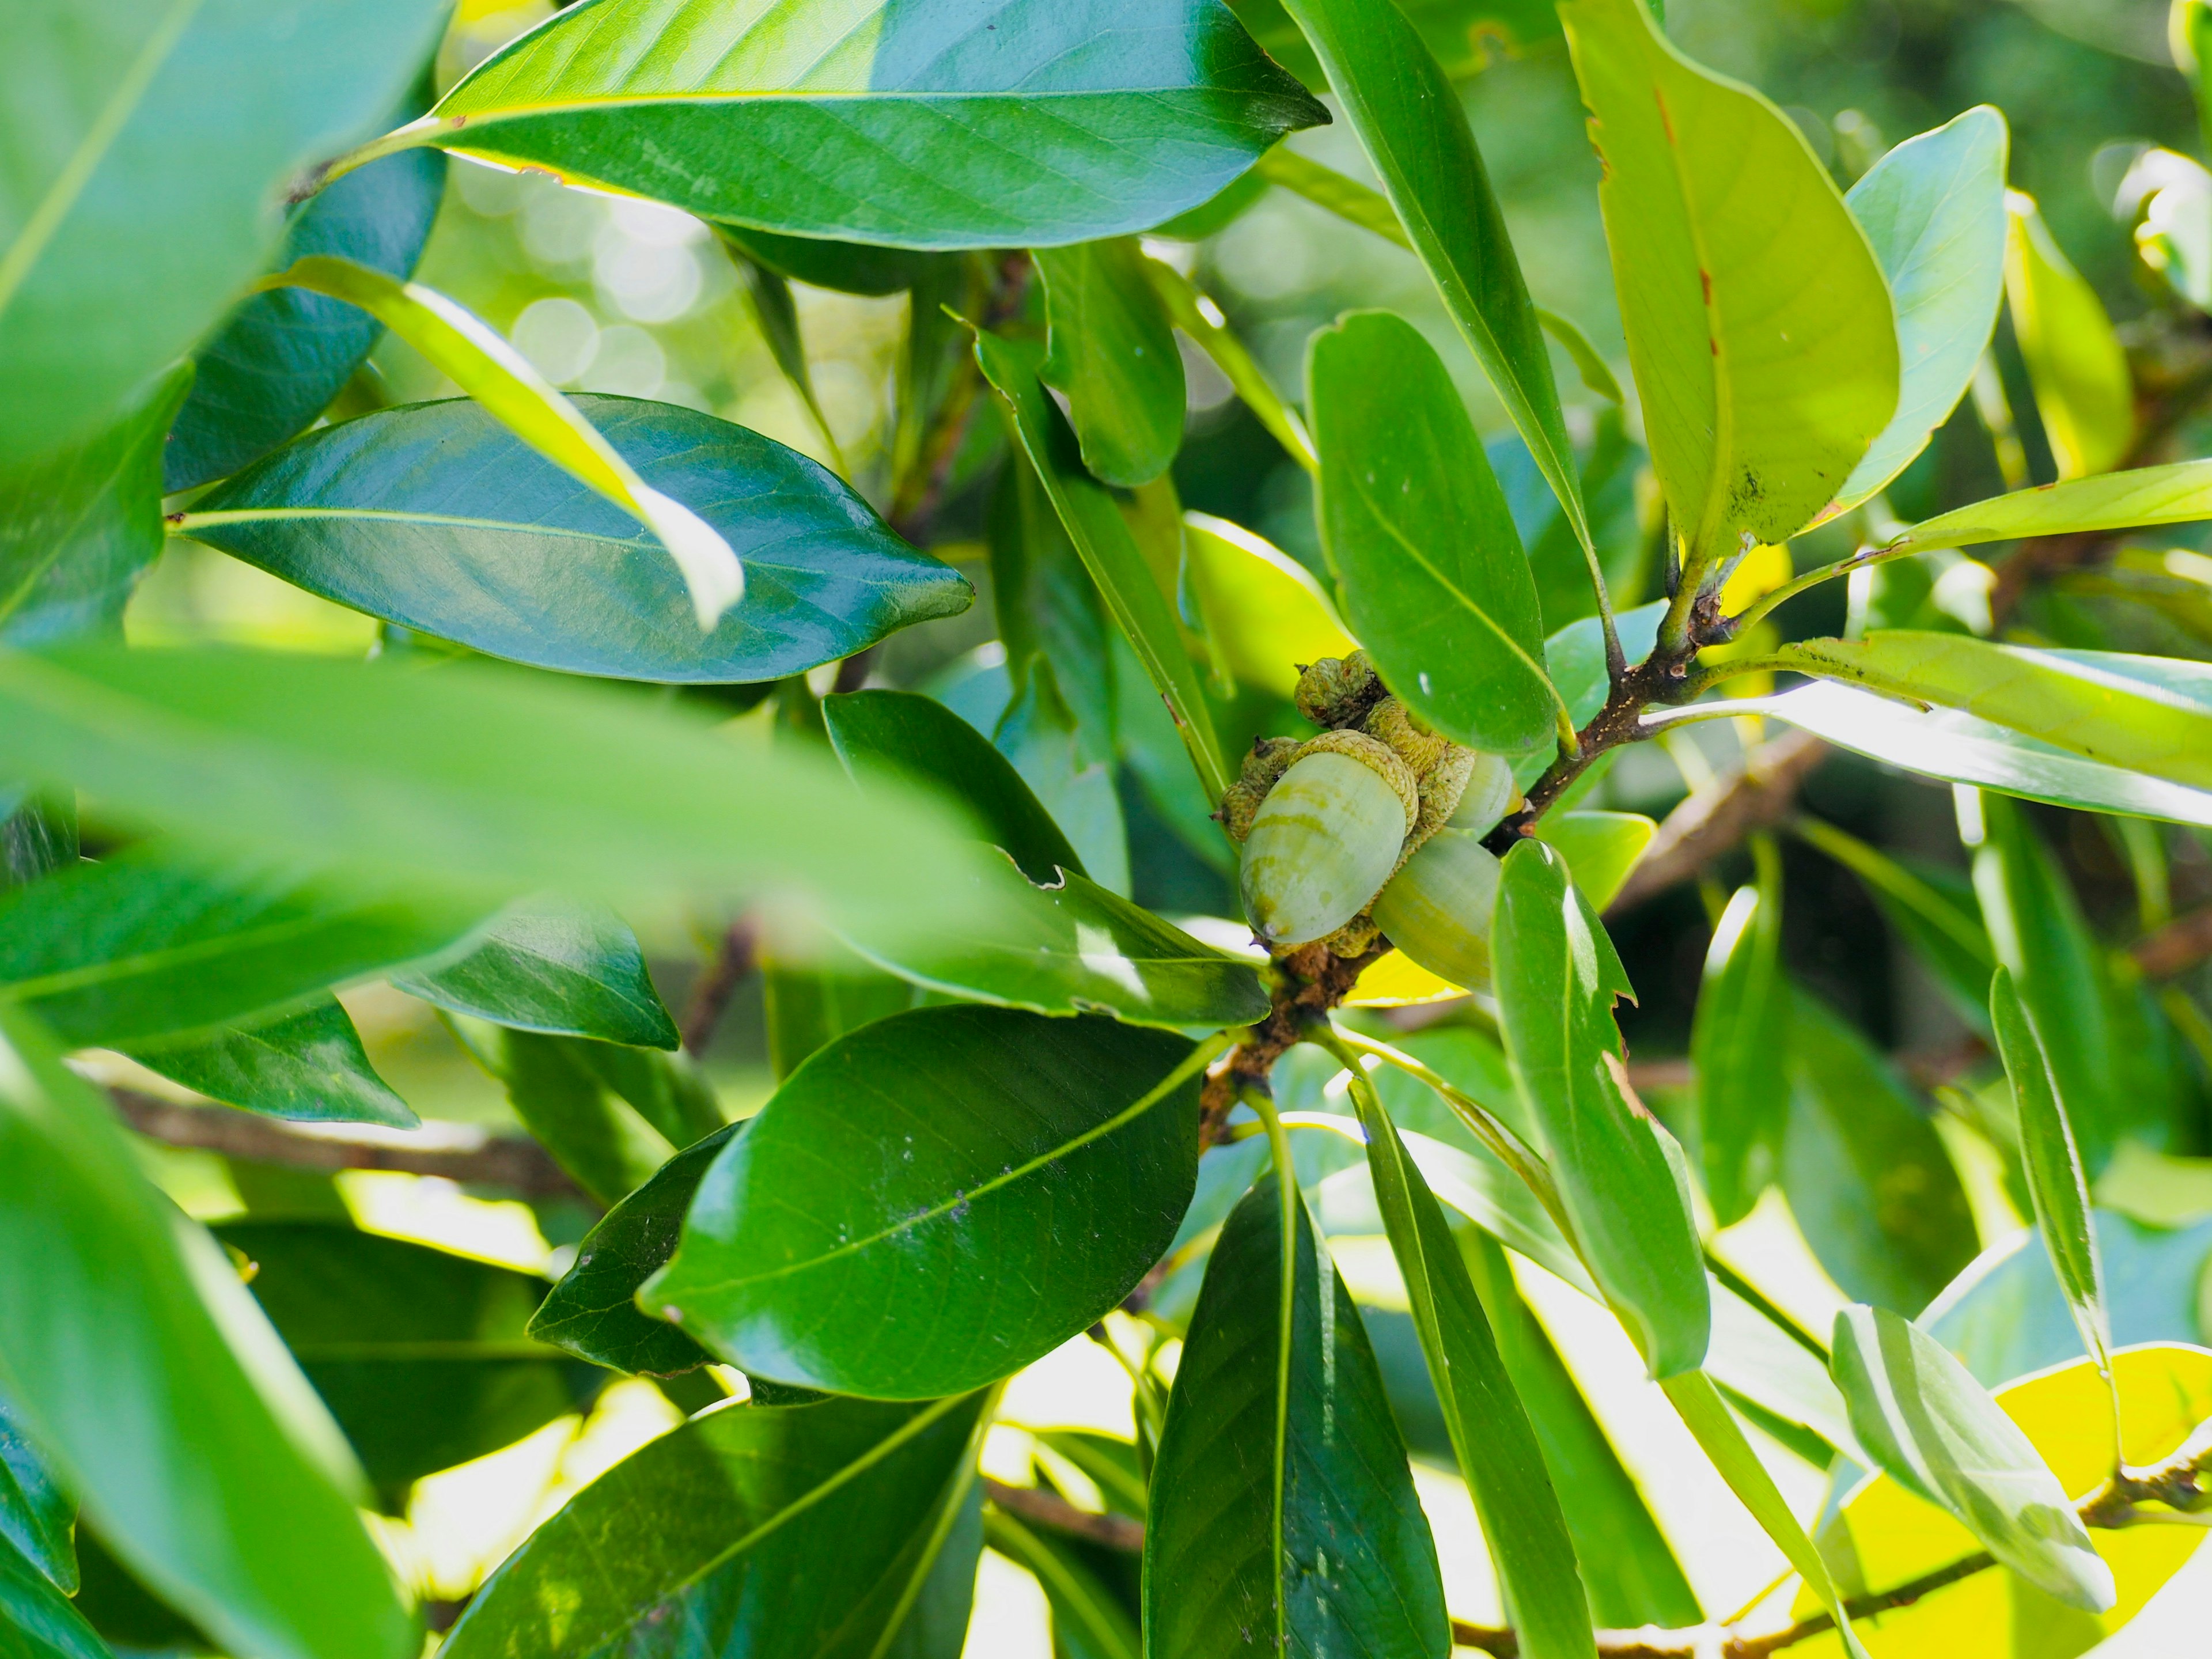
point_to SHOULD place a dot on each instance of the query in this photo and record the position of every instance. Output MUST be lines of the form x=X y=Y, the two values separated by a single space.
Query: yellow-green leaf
x=2074 y=358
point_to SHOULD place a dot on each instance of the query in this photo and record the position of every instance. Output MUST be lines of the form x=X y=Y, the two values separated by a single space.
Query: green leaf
x=2056 y=1183
x=1264 y=611
x=280 y=358
x=1738 y=1043
x=1202 y=323
x=2075 y=361
x=1492 y=1436
x=1934 y=209
x=40 y=1621
x=1087 y=1621
x=38 y=837
x=593 y=1312
x=1935 y=1432
x=922 y=737
x=1434 y=580
x=810 y=1006
x=420 y=1354
x=1463 y=34
x=1620 y=1175
x=912 y=1147
x=148 y=945
x=38 y=1519
x=501 y=784
x=78 y=528
x=1760 y=328
x=132 y=219
x=1770 y=1366
x=1021 y=124
x=1868 y=1180
x=777 y=313
x=714 y=1538
x=227 y=1500
x=1932 y=907
x=842 y=267
x=308 y=1067
x=1941 y=743
x=606 y=1146
x=936 y=1625
x=1415 y=129
x=1602 y=849
x=1111 y=352
x=547 y=963
x=1108 y=550
x=1283 y=1514
x=2180 y=493
x=1048 y=607
x=434 y=516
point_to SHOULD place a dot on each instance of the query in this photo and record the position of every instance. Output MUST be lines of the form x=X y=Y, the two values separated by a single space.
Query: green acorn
x=1438 y=909
x=1325 y=837
x=1489 y=795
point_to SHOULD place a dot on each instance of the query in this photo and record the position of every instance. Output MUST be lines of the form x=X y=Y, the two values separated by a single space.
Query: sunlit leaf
x=2075 y=361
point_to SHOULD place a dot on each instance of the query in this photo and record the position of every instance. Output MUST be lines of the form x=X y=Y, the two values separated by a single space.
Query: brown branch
x=1308 y=981
x=457 y=1151
x=2177 y=947
x=734 y=959
x=1050 y=1509
x=1715 y=821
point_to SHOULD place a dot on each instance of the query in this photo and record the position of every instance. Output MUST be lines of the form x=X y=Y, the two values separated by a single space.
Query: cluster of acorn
x=1372 y=830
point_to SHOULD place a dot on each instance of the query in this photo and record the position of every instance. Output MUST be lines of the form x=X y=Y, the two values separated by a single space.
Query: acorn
x=1489 y=795
x=1438 y=909
x=1327 y=837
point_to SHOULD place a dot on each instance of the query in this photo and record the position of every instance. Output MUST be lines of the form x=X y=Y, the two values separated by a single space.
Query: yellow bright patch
x=1398 y=981
x=2166 y=1391
x=1764 y=568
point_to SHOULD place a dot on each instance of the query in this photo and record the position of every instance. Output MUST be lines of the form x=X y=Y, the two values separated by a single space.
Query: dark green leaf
x=1088 y=1621
x=842 y=267
x=669 y=1092
x=1866 y=1177
x=1415 y=129
x=1738 y=1044
x=149 y=945
x=912 y=1148
x=437 y=517
x=1023 y=122
x=132 y=218
x=922 y=737
x=1935 y=1431
x=37 y=1518
x=1047 y=606
x=1434 y=580
x=715 y=1538
x=593 y=1312
x=36 y=1620
x=1492 y=1436
x=1111 y=352
x=809 y=1004
x=421 y=1355
x=1283 y=1514
x=308 y=1067
x=607 y=1148
x=282 y=356
x=79 y=528
x=1062 y=763
x=228 y=1500
x=1620 y=1175
x=127 y=1613
x=547 y=964
x=937 y=1625
x=1463 y=34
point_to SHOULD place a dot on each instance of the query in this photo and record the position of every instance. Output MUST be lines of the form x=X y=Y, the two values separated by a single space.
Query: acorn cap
x=1379 y=759
x=1338 y=691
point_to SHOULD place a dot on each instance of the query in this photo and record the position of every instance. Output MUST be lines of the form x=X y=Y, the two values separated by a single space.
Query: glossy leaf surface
x=1434 y=580
x=2178 y=494
x=1021 y=122
x=1737 y=1048
x=1620 y=1175
x=1935 y=1432
x=230 y=1500
x=906 y=1153
x=2075 y=361
x=549 y=965
x=1760 y=328
x=711 y=1537
x=37 y=1517
x=435 y=516
x=1282 y=1509
x=308 y=1067
x=1110 y=351
x=1934 y=210
x=1602 y=849
x=131 y=219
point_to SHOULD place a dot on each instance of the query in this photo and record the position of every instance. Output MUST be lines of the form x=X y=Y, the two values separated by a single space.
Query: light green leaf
x=1264 y=611
x=1434 y=580
x=1283 y=1513
x=1589 y=362
x=131 y=219
x=1201 y=320
x=1415 y=129
x=501 y=380
x=1108 y=551
x=712 y=1538
x=1111 y=351
x=550 y=964
x=910 y=1149
x=2075 y=361
x=1760 y=328
x=2056 y=1183
x=1602 y=849
x=228 y=1501
x=38 y=1519
x=1935 y=1431
x=1017 y=124
x=1775 y=1369
x=2180 y=493
x=1620 y=1175
x=1491 y=1437
x=308 y=1067
x=482 y=778
x=1934 y=209
x=1737 y=1044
